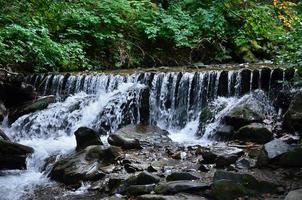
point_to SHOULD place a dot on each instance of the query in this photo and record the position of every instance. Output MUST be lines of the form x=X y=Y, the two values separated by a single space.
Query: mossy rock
x=257 y=133
x=241 y=116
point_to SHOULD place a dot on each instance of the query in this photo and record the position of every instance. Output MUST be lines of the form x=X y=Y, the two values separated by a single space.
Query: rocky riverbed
x=237 y=148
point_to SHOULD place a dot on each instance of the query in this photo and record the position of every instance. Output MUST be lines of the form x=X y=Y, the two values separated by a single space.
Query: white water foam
x=49 y=132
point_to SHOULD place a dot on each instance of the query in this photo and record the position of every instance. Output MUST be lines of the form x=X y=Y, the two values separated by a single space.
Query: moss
x=205 y=115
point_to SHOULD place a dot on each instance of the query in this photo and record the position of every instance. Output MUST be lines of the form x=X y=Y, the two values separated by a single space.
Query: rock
x=170 y=197
x=291 y=158
x=227 y=190
x=31 y=107
x=293 y=116
x=294 y=195
x=241 y=116
x=135 y=190
x=3 y=136
x=271 y=151
x=131 y=168
x=143 y=178
x=225 y=160
x=225 y=132
x=3 y=111
x=178 y=176
x=146 y=134
x=174 y=187
x=203 y=168
x=248 y=181
x=13 y=155
x=208 y=157
x=225 y=154
x=86 y=165
x=257 y=133
x=122 y=142
x=243 y=164
x=86 y=137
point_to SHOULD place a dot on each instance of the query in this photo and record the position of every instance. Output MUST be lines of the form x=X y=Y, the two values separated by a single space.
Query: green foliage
x=51 y=35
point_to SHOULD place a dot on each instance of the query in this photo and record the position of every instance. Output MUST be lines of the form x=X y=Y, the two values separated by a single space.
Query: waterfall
x=176 y=98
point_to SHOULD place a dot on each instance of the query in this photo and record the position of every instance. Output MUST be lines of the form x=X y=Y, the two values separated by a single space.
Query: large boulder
x=255 y=132
x=13 y=155
x=90 y=164
x=241 y=116
x=293 y=117
x=124 y=143
x=294 y=195
x=31 y=107
x=86 y=137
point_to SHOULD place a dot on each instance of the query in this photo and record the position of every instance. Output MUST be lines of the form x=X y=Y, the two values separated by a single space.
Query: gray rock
x=146 y=134
x=280 y=153
x=225 y=132
x=90 y=164
x=13 y=155
x=257 y=133
x=86 y=137
x=276 y=148
x=294 y=195
x=174 y=187
x=143 y=178
x=135 y=190
x=122 y=142
x=178 y=176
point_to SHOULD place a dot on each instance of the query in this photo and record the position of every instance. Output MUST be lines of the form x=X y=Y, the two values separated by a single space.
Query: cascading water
x=106 y=102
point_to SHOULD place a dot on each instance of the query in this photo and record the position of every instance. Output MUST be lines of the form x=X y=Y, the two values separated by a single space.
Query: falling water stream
x=98 y=101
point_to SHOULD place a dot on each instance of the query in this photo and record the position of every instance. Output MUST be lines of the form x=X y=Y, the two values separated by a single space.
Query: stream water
x=99 y=102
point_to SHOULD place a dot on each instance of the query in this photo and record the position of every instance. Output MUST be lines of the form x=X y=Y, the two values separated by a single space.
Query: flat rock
x=170 y=197
x=178 y=176
x=146 y=134
x=143 y=178
x=247 y=181
x=174 y=187
x=294 y=195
